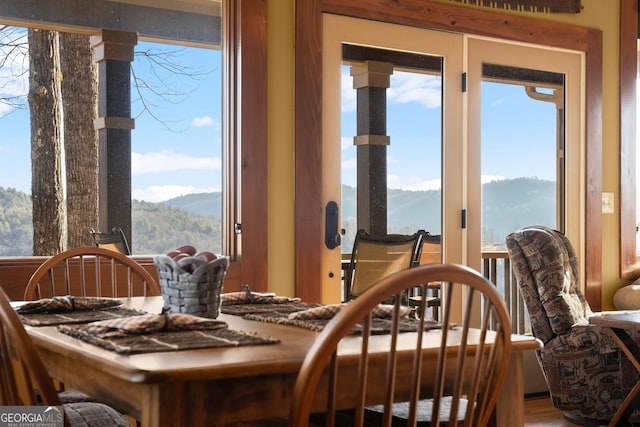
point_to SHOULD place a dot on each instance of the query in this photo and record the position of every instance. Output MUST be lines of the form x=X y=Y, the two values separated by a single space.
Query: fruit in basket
x=188 y=249
x=173 y=254
x=206 y=255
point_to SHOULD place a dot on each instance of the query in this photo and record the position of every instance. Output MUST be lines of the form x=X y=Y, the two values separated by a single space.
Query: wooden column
x=114 y=53
x=371 y=81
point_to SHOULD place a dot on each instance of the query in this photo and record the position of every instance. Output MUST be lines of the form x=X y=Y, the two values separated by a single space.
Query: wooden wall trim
x=308 y=226
x=252 y=98
x=629 y=263
x=440 y=16
x=16 y=271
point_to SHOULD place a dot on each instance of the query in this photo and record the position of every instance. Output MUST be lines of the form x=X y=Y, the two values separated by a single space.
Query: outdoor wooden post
x=114 y=53
x=371 y=80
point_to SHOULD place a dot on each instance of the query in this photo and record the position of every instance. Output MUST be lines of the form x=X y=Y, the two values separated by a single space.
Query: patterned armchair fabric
x=587 y=374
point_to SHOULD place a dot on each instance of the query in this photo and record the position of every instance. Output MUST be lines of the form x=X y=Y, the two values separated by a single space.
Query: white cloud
x=346 y=142
x=412 y=183
x=412 y=87
x=348 y=96
x=350 y=164
x=206 y=121
x=160 y=193
x=170 y=161
x=405 y=87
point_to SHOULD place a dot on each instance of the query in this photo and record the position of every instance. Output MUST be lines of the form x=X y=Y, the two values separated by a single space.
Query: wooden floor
x=539 y=412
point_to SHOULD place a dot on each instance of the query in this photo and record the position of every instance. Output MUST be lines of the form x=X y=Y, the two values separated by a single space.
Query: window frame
x=245 y=160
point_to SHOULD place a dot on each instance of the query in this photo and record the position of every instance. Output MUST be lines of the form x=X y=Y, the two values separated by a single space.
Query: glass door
x=465 y=137
x=524 y=142
x=391 y=177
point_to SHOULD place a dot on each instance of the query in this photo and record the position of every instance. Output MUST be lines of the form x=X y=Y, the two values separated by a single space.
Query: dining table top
x=627 y=320
x=250 y=382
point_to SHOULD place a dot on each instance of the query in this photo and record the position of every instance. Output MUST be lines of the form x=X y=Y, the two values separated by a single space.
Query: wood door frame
x=629 y=262
x=427 y=14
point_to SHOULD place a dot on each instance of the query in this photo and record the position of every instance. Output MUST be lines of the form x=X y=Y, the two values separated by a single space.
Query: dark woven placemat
x=277 y=309
x=279 y=313
x=168 y=341
x=378 y=325
x=80 y=316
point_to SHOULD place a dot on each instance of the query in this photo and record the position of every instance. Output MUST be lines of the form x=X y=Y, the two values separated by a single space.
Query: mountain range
x=195 y=218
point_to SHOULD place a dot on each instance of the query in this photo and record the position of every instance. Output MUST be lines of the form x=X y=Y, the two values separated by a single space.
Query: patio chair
x=430 y=252
x=587 y=374
x=24 y=380
x=114 y=240
x=476 y=367
x=376 y=257
x=89 y=271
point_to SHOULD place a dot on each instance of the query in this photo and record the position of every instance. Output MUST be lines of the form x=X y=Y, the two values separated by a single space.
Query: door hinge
x=463 y=218
x=464 y=82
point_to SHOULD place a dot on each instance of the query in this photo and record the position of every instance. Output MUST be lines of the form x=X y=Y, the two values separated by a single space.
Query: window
x=243 y=103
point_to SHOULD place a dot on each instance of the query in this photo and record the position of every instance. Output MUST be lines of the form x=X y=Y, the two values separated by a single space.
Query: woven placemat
x=80 y=316
x=279 y=313
x=277 y=309
x=168 y=341
x=378 y=326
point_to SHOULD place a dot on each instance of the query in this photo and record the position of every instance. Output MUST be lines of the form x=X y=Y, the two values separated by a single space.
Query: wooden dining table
x=217 y=386
x=618 y=323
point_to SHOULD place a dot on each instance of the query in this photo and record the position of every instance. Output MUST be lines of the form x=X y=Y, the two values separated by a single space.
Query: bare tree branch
x=171 y=81
x=14 y=69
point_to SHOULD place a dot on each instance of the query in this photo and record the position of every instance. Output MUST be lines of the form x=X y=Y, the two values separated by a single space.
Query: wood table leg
x=510 y=407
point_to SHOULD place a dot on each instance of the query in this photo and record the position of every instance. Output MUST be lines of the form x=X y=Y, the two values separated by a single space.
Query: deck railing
x=496 y=267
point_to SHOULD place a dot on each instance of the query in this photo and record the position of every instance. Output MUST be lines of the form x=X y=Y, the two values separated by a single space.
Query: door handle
x=331 y=232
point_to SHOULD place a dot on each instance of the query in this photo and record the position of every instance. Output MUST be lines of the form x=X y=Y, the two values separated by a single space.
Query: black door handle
x=331 y=232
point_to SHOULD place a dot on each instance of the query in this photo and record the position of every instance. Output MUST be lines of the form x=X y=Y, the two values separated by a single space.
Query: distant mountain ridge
x=195 y=218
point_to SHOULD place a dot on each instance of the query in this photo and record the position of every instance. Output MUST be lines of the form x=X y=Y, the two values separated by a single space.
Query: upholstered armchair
x=587 y=374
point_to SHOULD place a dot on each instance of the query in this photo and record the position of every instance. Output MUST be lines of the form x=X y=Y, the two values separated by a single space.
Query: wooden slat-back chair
x=24 y=380
x=91 y=271
x=470 y=373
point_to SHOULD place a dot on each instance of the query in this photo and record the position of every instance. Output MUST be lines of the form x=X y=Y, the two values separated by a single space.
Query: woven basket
x=196 y=292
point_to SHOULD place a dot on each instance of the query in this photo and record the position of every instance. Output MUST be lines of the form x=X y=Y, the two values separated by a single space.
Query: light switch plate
x=607 y=203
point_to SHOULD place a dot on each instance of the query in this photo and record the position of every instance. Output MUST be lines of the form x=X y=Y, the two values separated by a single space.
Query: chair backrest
x=90 y=271
x=431 y=249
x=376 y=257
x=471 y=363
x=24 y=378
x=114 y=240
x=546 y=268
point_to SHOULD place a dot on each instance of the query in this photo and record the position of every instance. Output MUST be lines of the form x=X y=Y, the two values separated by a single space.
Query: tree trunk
x=46 y=172
x=80 y=107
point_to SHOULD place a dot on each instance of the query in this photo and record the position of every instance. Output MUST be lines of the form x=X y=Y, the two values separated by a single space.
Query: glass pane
x=176 y=147
x=176 y=150
x=519 y=162
x=414 y=154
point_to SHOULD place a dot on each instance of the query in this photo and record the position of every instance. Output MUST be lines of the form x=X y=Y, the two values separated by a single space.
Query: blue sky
x=165 y=162
x=514 y=128
x=187 y=158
